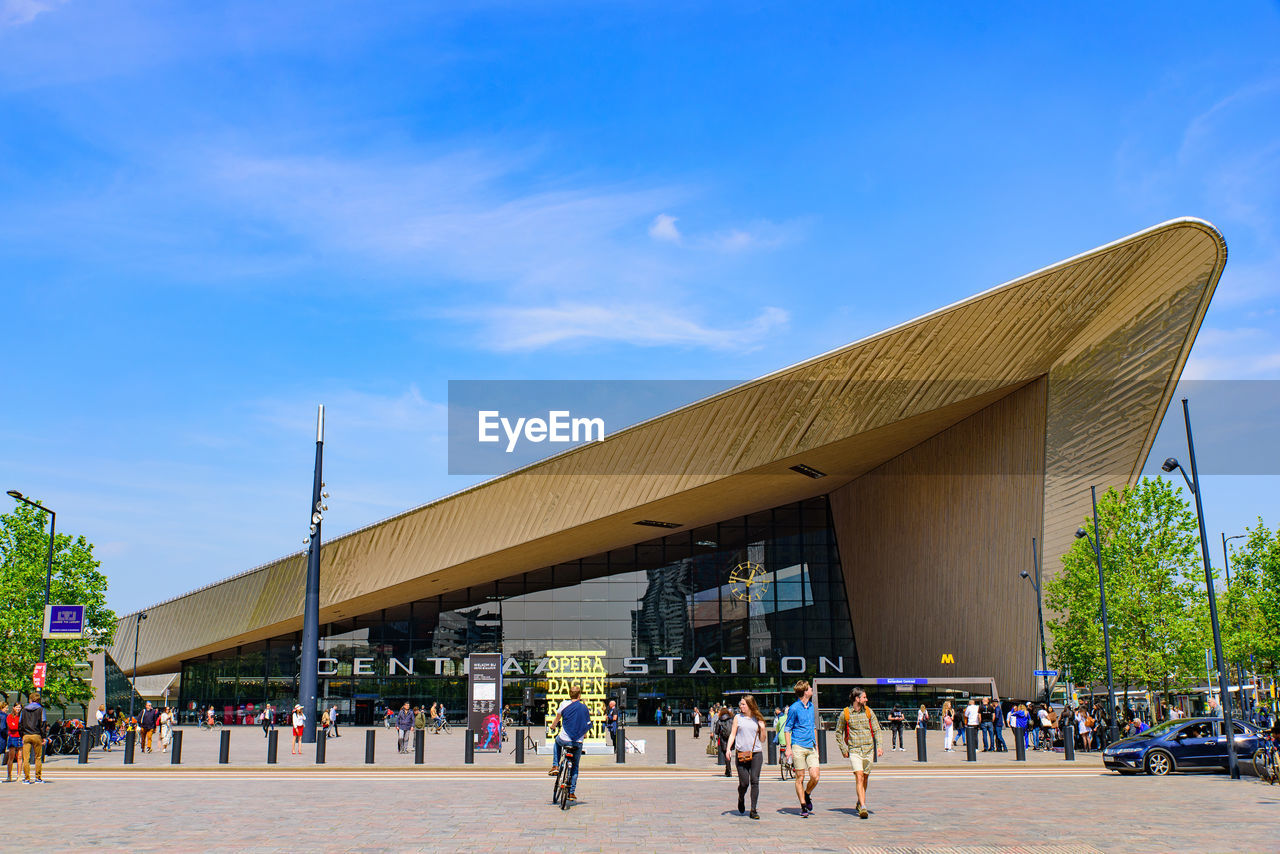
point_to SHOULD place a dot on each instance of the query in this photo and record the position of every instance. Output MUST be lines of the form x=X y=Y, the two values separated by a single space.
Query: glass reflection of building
x=667 y=597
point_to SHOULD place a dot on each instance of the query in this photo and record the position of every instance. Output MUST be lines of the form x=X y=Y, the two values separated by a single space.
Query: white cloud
x=528 y=328
x=1234 y=354
x=663 y=228
x=15 y=13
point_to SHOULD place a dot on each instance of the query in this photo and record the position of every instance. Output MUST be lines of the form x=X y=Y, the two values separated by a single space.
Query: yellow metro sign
x=948 y=658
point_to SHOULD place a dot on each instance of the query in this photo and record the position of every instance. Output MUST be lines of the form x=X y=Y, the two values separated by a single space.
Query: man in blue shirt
x=574 y=720
x=801 y=743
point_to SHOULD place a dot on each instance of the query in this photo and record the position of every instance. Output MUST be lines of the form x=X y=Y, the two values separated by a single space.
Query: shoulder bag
x=745 y=757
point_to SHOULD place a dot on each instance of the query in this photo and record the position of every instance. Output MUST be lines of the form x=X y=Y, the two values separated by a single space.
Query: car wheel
x=1159 y=763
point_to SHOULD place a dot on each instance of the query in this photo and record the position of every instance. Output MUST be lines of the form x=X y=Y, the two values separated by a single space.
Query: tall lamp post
x=1193 y=483
x=1113 y=734
x=1226 y=563
x=137 y=630
x=310 y=658
x=1044 y=659
x=48 y=574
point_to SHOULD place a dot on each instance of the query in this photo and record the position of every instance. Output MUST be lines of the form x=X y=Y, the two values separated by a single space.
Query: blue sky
x=215 y=216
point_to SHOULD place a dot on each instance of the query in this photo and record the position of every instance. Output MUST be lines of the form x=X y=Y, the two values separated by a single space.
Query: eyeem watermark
x=558 y=427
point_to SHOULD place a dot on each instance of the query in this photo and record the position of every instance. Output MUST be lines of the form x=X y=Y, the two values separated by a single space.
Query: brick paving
x=983 y=808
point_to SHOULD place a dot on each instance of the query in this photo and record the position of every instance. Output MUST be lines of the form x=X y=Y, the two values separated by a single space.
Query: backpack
x=420 y=720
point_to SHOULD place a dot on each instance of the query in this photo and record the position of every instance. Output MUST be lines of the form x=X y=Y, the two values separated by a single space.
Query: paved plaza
x=1044 y=807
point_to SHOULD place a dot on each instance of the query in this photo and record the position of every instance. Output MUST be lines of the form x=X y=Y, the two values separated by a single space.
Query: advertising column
x=484 y=700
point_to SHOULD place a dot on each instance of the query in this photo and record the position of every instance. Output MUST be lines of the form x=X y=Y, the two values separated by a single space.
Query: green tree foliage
x=1249 y=612
x=24 y=550
x=1155 y=601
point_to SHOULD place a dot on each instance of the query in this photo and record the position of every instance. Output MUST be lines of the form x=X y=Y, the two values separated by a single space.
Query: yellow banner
x=567 y=668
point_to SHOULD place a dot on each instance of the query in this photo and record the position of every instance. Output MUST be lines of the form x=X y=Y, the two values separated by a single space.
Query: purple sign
x=64 y=621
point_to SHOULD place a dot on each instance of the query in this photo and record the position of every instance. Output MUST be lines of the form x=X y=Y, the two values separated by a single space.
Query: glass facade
x=749 y=604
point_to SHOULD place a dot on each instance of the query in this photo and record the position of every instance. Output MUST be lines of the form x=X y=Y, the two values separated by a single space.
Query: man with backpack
x=857 y=735
x=148 y=726
x=723 y=726
x=404 y=723
x=31 y=725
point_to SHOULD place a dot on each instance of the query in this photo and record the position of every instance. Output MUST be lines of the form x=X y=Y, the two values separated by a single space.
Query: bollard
x=922 y=740
x=520 y=746
x=971 y=743
x=83 y=758
x=822 y=746
x=469 y=748
x=1068 y=746
x=130 y=738
x=773 y=749
x=273 y=743
x=224 y=749
x=620 y=745
x=419 y=745
x=175 y=748
x=671 y=747
x=369 y=737
x=1019 y=735
x=321 y=746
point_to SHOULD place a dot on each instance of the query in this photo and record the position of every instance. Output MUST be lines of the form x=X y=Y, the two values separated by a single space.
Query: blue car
x=1181 y=745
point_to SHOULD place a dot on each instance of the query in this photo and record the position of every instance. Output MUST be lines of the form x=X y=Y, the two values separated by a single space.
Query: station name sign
x=668 y=665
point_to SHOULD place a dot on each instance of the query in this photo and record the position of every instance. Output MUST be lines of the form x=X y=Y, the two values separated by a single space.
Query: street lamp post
x=1193 y=483
x=137 y=630
x=309 y=662
x=1044 y=659
x=1096 y=540
x=1226 y=564
x=48 y=575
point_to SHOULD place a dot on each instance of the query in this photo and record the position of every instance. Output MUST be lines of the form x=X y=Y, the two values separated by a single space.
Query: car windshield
x=1159 y=729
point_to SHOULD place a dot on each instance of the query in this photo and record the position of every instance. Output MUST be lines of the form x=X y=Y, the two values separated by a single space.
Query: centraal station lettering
x=670 y=665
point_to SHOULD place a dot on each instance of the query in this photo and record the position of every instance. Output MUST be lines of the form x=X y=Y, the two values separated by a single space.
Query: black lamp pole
x=1044 y=659
x=1193 y=483
x=1096 y=539
x=48 y=574
x=137 y=630
x=1226 y=563
x=310 y=660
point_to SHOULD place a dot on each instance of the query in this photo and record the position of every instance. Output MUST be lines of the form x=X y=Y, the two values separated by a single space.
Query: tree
x=1156 y=607
x=24 y=549
x=1250 y=609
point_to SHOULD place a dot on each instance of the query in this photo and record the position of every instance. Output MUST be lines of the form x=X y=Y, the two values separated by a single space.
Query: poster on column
x=568 y=668
x=484 y=700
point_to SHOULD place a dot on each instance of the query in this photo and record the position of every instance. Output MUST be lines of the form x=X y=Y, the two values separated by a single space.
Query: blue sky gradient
x=215 y=216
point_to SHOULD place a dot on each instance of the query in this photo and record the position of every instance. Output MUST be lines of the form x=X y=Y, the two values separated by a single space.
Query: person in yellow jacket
x=858 y=737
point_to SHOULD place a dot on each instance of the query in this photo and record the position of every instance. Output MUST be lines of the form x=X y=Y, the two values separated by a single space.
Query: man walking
x=722 y=729
x=611 y=722
x=404 y=723
x=802 y=745
x=31 y=726
x=997 y=721
x=857 y=735
x=268 y=720
x=148 y=726
x=333 y=720
x=972 y=718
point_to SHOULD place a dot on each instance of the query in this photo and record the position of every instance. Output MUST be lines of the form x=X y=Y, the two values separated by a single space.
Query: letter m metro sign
x=948 y=658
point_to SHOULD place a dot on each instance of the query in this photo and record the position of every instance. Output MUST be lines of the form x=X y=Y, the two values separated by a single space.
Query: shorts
x=861 y=762
x=804 y=757
x=15 y=742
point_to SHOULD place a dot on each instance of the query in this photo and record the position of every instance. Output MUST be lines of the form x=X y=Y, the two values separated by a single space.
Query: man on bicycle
x=574 y=719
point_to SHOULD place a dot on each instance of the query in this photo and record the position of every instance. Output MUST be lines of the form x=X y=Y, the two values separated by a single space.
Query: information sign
x=63 y=622
x=484 y=700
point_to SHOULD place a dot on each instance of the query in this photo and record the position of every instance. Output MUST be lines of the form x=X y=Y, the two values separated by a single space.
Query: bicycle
x=786 y=768
x=1265 y=763
x=560 y=794
x=441 y=725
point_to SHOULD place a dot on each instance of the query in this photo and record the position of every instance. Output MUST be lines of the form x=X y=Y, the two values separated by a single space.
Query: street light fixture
x=1035 y=584
x=48 y=574
x=1113 y=734
x=137 y=628
x=1193 y=483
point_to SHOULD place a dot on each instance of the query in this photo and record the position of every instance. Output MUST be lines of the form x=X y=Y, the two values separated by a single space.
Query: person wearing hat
x=299 y=720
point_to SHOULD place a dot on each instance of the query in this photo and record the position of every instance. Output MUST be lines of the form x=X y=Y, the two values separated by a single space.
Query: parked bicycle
x=1265 y=761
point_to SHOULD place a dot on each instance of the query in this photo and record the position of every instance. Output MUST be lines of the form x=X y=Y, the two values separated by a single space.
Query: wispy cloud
x=663 y=228
x=514 y=328
x=15 y=13
x=760 y=234
x=1234 y=354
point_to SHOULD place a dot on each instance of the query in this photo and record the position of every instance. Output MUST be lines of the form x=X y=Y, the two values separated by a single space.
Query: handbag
x=745 y=757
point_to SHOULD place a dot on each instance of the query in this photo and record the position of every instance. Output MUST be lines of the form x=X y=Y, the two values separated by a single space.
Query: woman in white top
x=165 y=724
x=697 y=721
x=299 y=721
x=746 y=738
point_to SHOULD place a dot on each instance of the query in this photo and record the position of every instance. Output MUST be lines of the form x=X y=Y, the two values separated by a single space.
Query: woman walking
x=745 y=744
x=697 y=721
x=948 y=726
x=165 y=724
x=299 y=720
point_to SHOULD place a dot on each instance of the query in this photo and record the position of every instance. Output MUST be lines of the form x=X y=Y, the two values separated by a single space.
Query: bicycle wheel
x=556 y=781
x=565 y=774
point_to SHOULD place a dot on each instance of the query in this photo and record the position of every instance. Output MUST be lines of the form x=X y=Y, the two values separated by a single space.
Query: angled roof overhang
x=1110 y=328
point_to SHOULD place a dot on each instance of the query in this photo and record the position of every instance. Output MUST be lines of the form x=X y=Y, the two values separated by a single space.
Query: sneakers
x=572 y=796
x=804 y=811
x=862 y=812
x=555 y=769
x=755 y=815
x=808 y=802
x=742 y=807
